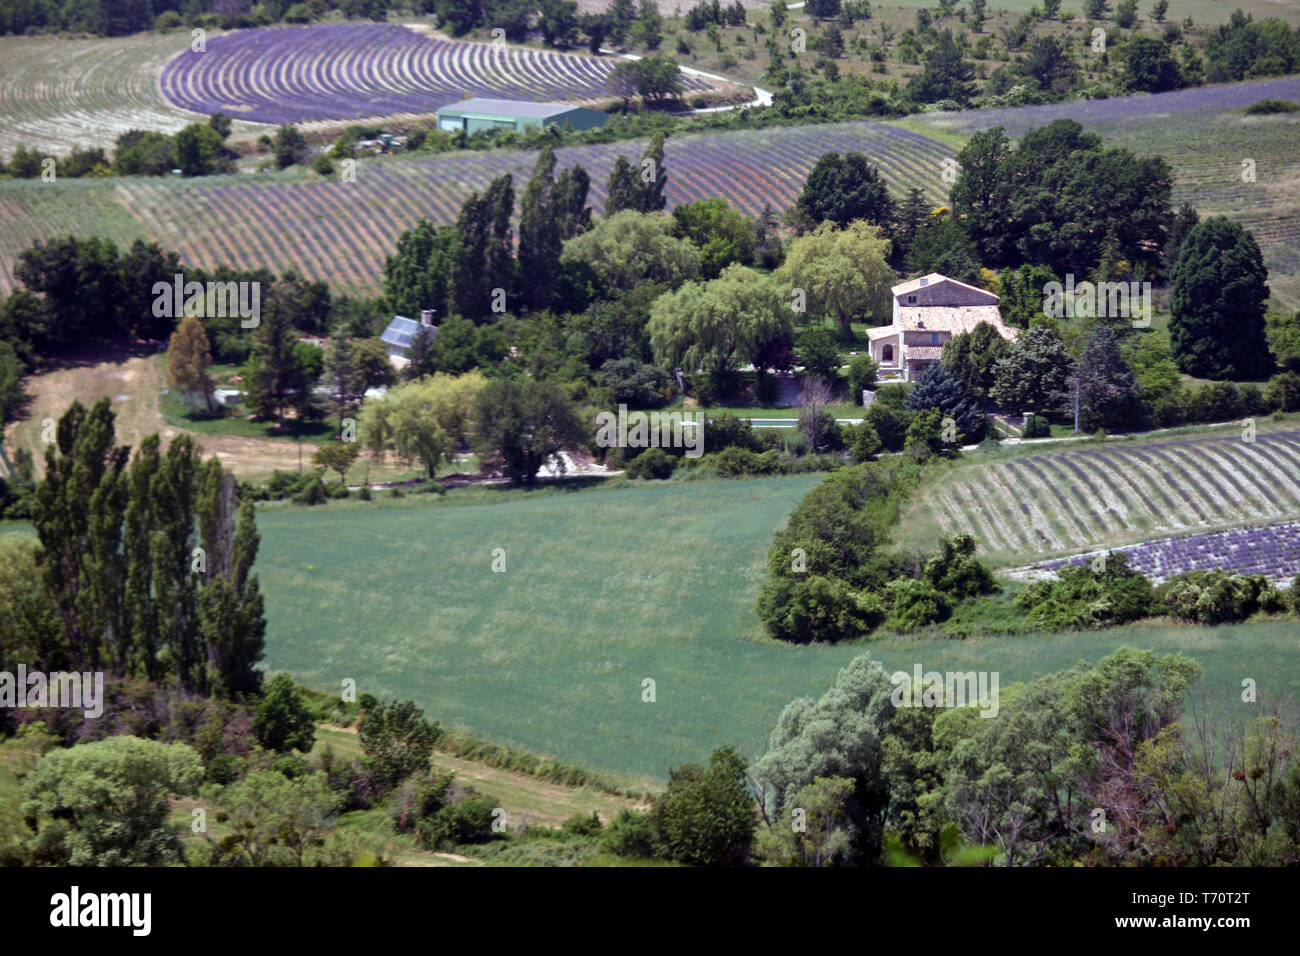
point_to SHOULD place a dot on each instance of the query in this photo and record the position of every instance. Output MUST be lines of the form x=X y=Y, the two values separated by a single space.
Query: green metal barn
x=480 y=114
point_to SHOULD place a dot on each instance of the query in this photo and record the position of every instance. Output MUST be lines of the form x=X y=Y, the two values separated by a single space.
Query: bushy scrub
x=955 y=571
x=914 y=604
x=1036 y=426
x=1215 y=597
x=817 y=608
x=653 y=463
x=1101 y=594
x=736 y=462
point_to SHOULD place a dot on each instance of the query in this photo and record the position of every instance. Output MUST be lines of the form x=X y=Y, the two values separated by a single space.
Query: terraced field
x=1205 y=137
x=57 y=94
x=1064 y=502
x=342 y=231
x=348 y=71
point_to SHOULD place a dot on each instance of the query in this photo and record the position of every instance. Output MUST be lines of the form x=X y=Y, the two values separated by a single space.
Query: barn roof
x=401 y=331
x=953 y=319
x=490 y=107
x=934 y=278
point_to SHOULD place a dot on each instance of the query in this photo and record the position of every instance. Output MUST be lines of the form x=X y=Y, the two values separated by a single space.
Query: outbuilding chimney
x=426 y=316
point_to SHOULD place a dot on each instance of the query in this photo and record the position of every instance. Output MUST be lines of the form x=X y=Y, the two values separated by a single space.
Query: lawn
x=605 y=588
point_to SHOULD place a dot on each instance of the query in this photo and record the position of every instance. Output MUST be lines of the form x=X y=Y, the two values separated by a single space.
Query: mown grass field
x=604 y=588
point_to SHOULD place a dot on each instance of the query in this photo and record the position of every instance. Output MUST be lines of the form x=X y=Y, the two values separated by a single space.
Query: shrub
x=1284 y=391
x=1085 y=597
x=631 y=833
x=1216 y=402
x=1036 y=426
x=167 y=20
x=582 y=825
x=1271 y=106
x=653 y=463
x=313 y=493
x=735 y=462
x=364 y=494
x=728 y=431
x=469 y=821
x=812 y=608
x=1212 y=597
x=914 y=604
x=954 y=570
x=429 y=488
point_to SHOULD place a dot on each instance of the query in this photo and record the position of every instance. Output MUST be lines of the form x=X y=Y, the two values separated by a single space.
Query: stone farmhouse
x=928 y=312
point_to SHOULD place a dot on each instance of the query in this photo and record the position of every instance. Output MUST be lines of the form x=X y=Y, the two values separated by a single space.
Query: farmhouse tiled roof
x=924 y=353
x=952 y=319
x=881 y=332
x=934 y=278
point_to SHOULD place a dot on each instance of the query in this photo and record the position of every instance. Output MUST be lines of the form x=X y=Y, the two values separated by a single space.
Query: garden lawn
x=603 y=589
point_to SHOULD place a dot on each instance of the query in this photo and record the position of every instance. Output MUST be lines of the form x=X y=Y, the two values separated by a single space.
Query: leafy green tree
x=277 y=377
x=273 y=820
x=955 y=571
x=948 y=75
x=1150 y=66
x=344 y=377
x=483 y=263
x=722 y=234
x=717 y=325
x=337 y=456
x=838 y=735
x=971 y=357
x=820 y=353
x=1022 y=294
x=1051 y=64
x=624 y=190
x=1034 y=374
x=418 y=274
x=943 y=246
x=842 y=274
x=1126 y=12
x=841 y=189
x=649 y=27
x=289 y=146
x=1217 y=325
x=199 y=150
x=528 y=424
x=629 y=248
x=862 y=375
x=706 y=816
x=396 y=741
x=282 y=720
x=105 y=802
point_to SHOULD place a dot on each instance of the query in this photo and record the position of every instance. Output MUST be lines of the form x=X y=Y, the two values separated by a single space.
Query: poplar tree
x=624 y=188
x=540 y=242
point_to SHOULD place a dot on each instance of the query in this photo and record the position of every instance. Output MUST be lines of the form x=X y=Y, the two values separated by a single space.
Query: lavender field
x=1116 y=494
x=342 y=231
x=349 y=71
x=1271 y=550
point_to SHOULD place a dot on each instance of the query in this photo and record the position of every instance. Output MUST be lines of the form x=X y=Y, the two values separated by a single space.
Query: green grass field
x=604 y=588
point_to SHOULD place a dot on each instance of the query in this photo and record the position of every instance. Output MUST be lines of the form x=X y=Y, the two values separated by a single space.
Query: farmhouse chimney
x=426 y=316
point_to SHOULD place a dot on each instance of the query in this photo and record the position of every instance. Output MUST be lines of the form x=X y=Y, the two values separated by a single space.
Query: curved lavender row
x=1271 y=550
x=348 y=71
